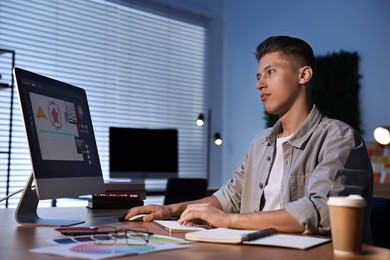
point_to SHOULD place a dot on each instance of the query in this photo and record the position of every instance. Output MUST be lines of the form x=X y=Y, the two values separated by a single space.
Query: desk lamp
x=217 y=136
x=382 y=135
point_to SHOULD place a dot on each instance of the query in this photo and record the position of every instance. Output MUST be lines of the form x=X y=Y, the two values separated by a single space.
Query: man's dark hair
x=297 y=51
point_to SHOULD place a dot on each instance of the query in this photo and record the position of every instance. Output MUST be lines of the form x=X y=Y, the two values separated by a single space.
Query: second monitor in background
x=142 y=153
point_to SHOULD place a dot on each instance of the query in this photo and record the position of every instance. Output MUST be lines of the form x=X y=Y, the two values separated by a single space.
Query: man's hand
x=207 y=213
x=153 y=211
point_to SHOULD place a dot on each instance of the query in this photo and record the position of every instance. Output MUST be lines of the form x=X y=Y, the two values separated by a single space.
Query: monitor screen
x=141 y=153
x=58 y=124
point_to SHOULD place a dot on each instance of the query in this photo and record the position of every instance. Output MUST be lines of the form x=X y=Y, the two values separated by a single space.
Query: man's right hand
x=154 y=212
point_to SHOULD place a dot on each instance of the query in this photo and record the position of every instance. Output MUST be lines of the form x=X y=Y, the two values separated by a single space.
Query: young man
x=291 y=169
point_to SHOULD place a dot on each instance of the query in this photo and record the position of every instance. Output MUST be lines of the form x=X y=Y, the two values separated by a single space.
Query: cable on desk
x=14 y=193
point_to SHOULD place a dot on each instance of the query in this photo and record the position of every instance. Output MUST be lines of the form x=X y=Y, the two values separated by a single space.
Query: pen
x=259 y=234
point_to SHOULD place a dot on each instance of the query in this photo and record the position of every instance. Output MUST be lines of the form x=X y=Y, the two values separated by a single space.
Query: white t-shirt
x=273 y=187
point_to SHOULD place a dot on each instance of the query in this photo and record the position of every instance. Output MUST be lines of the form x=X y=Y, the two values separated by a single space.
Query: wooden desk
x=16 y=240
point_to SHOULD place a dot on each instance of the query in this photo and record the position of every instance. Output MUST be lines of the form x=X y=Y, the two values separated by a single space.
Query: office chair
x=184 y=189
x=380 y=222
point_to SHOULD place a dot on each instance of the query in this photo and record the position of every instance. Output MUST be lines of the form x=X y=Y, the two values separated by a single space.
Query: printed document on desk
x=84 y=247
x=235 y=236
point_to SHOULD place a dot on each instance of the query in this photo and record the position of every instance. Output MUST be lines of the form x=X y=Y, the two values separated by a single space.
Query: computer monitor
x=143 y=153
x=63 y=150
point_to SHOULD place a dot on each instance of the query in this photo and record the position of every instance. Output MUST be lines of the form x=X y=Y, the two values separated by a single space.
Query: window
x=141 y=67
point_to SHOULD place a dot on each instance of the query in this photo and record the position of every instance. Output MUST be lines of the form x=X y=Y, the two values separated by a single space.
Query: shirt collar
x=303 y=133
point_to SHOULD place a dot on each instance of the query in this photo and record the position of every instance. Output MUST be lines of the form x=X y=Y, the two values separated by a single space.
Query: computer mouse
x=137 y=217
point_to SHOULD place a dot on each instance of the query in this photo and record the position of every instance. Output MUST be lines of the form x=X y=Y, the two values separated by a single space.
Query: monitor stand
x=26 y=212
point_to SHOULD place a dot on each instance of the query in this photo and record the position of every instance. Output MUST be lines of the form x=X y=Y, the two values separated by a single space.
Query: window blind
x=141 y=67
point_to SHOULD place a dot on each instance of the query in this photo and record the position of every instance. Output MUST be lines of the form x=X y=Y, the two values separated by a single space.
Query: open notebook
x=236 y=236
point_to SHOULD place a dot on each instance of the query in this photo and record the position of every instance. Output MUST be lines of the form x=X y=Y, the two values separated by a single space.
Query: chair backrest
x=380 y=222
x=185 y=189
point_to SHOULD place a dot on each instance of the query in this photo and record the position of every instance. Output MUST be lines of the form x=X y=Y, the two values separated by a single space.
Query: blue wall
x=329 y=26
x=238 y=26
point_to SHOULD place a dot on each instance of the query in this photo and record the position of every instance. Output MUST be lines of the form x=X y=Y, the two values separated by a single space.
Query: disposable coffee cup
x=347 y=222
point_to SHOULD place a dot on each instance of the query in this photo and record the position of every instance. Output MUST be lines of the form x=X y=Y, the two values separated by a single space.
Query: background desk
x=16 y=240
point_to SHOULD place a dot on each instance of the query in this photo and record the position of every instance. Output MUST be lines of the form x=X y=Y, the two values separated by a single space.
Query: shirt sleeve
x=343 y=168
x=230 y=195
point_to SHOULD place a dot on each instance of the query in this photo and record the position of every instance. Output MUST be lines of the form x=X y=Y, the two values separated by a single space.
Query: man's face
x=278 y=82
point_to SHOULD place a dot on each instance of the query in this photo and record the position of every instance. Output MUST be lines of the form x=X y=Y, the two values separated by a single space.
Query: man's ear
x=305 y=74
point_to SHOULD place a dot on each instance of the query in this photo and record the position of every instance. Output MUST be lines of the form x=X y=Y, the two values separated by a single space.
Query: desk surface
x=17 y=240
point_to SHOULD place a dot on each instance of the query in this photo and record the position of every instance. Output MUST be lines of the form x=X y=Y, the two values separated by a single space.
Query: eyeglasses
x=109 y=235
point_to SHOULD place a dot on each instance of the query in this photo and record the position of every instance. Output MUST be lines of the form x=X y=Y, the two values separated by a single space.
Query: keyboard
x=174 y=226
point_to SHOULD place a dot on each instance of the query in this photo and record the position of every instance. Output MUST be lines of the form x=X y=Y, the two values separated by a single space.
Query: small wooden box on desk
x=119 y=195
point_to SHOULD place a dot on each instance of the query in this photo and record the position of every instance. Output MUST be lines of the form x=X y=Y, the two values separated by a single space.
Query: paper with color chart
x=84 y=247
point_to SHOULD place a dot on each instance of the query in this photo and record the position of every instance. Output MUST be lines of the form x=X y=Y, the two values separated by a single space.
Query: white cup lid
x=353 y=200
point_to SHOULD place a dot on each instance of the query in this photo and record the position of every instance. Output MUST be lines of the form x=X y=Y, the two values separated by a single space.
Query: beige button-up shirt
x=325 y=157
